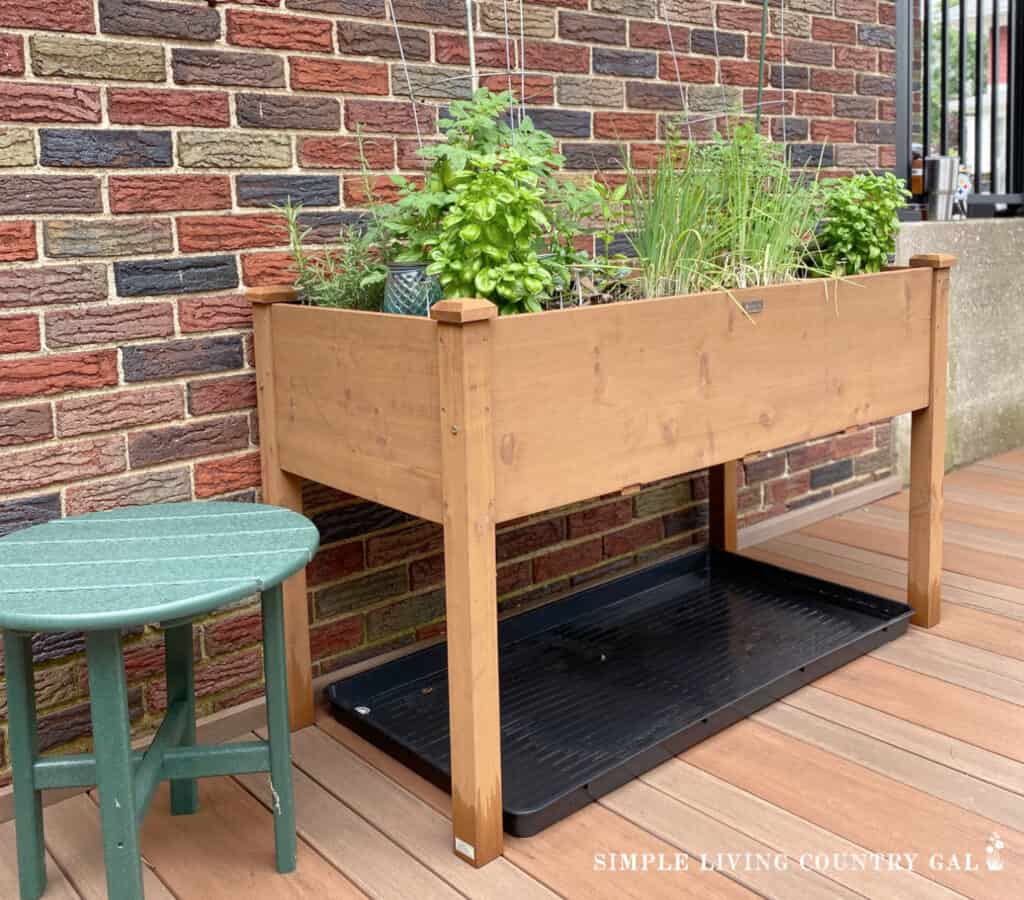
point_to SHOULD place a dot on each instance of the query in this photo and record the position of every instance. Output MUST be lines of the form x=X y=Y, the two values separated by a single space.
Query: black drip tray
x=611 y=681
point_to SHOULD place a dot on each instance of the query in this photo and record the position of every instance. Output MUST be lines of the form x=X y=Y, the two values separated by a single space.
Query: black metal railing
x=960 y=91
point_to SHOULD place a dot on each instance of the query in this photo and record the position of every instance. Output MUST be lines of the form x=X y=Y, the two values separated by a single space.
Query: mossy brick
x=641 y=9
x=662 y=499
x=39 y=194
x=28 y=511
x=158 y=18
x=25 y=424
x=61 y=56
x=358 y=593
x=34 y=102
x=173 y=359
x=696 y=12
x=712 y=42
x=583 y=91
x=234 y=150
x=532 y=21
x=366 y=39
x=358 y=518
x=298 y=113
x=69 y=238
x=221 y=67
x=77 y=147
x=188 y=275
x=52 y=285
x=275 y=190
x=403 y=615
x=108 y=324
x=434 y=82
x=17 y=147
x=624 y=63
x=172 y=443
x=49 y=15
x=562 y=122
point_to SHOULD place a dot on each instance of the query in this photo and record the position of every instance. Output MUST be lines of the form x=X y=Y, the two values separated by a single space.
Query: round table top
x=142 y=565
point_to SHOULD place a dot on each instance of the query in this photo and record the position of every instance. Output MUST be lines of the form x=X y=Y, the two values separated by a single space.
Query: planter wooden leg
x=927 y=460
x=467 y=454
x=722 y=506
x=281 y=488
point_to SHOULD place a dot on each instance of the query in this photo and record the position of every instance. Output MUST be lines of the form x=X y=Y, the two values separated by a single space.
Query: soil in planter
x=611 y=681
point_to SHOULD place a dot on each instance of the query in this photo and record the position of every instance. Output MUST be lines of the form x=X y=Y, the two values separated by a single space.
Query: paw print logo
x=993 y=856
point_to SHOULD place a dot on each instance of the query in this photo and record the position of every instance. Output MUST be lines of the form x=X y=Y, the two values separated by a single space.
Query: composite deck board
x=59 y=888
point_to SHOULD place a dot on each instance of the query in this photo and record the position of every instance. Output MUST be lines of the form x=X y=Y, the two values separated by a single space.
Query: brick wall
x=141 y=144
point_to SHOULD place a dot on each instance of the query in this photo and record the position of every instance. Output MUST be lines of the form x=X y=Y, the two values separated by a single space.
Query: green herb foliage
x=861 y=223
x=346 y=276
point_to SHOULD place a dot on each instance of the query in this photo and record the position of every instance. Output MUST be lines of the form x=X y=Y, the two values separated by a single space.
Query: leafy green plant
x=346 y=276
x=861 y=221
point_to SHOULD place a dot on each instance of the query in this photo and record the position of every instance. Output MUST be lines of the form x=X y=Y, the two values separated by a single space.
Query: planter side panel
x=589 y=401
x=358 y=404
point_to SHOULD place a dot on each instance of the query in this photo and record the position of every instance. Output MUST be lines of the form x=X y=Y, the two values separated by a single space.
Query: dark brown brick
x=420 y=539
x=176 y=442
x=530 y=538
x=336 y=561
x=405 y=614
x=108 y=324
x=28 y=511
x=631 y=539
x=655 y=36
x=686 y=520
x=149 y=18
x=25 y=424
x=52 y=285
x=569 y=559
x=370 y=9
x=600 y=518
x=388 y=116
x=162 y=486
x=855 y=107
x=551 y=56
x=149 y=362
x=356 y=519
x=448 y=13
x=38 y=194
x=222 y=394
x=298 y=113
x=644 y=95
x=336 y=637
x=365 y=39
x=717 y=43
x=586 y=28
x=60 y=463
x=222 y=67
x=116 y=410
x=358 y=593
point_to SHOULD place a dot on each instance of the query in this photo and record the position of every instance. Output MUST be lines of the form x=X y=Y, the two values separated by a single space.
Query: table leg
x=181 y=688
x=24 y=748
x=115 y=770
x=279 y=729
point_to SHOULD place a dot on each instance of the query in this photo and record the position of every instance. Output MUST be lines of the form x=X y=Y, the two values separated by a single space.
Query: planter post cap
x=461 y=312
x=933 y=260
x=282 y=293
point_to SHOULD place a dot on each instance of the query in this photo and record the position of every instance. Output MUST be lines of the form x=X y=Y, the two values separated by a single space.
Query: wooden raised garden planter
x=469 y=420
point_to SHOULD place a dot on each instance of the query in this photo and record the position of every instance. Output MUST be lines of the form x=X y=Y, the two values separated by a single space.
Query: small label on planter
x=753 y=307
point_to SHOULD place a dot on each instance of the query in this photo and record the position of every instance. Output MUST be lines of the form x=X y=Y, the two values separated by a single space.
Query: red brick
x=833 y=31
x=214 y=677
x=453 y=49
x=197 y=438
x=834 y=130
x=27 y=470
x=772 y=53
x=108 y=324
x=655 y=36
x=887 y=156
x=568 y=559
x=335 y=562
x=646 y=156
x=12 y=54
x=159 y=486
x=264 y=269
x=44 y=375
x=46 y=15
x=539 y=89
x=359 y=191
x=549 y=56
x=808 y=455
x=625 y=126
x=631 y=539
x=339 y=76
x=214 y=313
x=116 y=410
x=19 y=334
x=784 y=489
x=346 y=153
x=396 y=546
x=858 y=10
x=853 y=443
x=142 y=660
x=739 y=18
x=810 y=104
x=887 y=110
x=692 y=69
x=224 y=476
x=234 y=633
x=600 y=518
x=169 y=193
x=886 y=62
x=48 y=103
x=862 y=59
x=25 y=424
x=215 y=395
x=236 y=232
x=277 y=32
x=833 y=81
x=17 y=241
x=887 y=13
x=738 y=71
x=336 y=637
x=530 y=538
x=430 y=571
x=389 y=116
x=167 y=107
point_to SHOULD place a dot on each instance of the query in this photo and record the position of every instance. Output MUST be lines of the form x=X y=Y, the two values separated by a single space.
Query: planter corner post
x=281 y=488
x=465 y=361
x=927 y=458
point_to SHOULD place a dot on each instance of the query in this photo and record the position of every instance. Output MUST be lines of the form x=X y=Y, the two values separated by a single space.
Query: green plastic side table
x=105 y=572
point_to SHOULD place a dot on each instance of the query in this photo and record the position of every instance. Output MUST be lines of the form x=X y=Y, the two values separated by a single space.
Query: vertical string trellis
x=405 y=69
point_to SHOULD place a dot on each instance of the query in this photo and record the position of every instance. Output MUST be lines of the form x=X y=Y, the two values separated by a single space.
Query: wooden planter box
x=469 y=420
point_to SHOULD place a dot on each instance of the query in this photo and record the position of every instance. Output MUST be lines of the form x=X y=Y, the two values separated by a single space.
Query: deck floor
x=916 y=750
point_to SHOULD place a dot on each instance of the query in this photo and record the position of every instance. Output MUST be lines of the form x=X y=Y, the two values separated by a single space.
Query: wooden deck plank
x=787 y=833
x=58 y=887
x=418 y=828
x=981 y=764
x=226 y=850
x=869 y=809
x=943 y=707
x=925 y=775
x=964 y=513
x=707 y=841
x=563 y=856
x=75 y=838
